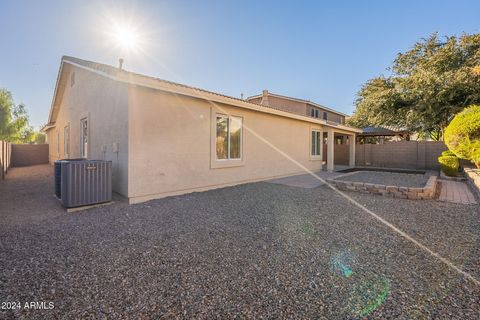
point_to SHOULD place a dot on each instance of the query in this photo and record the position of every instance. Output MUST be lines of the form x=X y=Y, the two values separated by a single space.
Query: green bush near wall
x=448 y=153
x=449 y=165
x=462 y=136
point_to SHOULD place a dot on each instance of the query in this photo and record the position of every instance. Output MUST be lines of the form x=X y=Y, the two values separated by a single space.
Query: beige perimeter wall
x=29 y=154
x=104 y=102
x=170 y=144
x=401 y=154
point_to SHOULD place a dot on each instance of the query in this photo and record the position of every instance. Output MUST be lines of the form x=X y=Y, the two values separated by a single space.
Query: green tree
x=428 y=84
x=38 y=137
x=14 y=125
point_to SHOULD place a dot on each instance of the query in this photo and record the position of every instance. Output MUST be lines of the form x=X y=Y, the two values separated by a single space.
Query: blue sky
x=318 y=50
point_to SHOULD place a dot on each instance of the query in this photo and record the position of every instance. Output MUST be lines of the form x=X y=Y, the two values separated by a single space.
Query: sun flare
x=126 y=37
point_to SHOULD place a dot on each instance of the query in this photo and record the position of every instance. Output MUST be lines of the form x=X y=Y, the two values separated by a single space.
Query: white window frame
x=225 y=163
x=316 y=157
x=84 y=152
x=58 y=143
x=66 y=141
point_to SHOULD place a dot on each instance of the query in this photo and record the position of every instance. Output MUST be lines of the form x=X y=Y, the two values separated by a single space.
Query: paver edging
x=427 y=192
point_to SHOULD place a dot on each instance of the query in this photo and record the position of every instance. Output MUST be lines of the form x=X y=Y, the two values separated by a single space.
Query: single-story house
x=166 y=138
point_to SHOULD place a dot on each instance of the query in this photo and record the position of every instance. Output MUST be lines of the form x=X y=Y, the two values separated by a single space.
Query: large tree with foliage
x=14 y=125
x=428 y=84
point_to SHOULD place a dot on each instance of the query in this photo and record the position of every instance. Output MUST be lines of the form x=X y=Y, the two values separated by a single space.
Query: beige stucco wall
x=330 y=115
x=298 y=107
x=105 y=103
x=287 y=105
x=170 y=145
x=255 y=100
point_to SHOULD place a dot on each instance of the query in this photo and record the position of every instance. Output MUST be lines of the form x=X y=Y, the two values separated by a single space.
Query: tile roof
x=161 y=84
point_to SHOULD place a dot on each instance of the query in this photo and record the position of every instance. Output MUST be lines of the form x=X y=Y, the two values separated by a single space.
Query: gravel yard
x=387 y=178
x=258 y=250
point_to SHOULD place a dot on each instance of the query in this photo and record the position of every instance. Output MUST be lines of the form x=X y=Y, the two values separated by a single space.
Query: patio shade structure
x=381 y=133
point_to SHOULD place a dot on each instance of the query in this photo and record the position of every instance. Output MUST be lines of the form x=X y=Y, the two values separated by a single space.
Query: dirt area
x=259 y=250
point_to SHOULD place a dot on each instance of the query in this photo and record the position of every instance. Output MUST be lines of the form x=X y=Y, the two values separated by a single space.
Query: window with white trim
x=84 y=138
x=316 y=142
x=228 y=139
x=58 y=143
x=66 y=141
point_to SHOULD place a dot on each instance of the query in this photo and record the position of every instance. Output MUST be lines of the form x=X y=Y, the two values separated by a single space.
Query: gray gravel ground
x=257 y=250
x=387 y=178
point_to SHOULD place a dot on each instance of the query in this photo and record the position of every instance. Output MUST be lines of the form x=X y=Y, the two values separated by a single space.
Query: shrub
x=448 y=153
x=449 y=165
x=462 y=136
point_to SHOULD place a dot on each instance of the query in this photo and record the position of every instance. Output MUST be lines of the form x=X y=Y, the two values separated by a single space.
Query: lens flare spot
x=307 y=229
x=342 y=263
x=369 y=296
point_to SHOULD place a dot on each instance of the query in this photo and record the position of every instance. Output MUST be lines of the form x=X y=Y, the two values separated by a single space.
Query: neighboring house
x=166 y=138
x=300 y=106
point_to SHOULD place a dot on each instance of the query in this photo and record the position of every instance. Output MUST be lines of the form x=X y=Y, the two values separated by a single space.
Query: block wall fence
x=402 y=154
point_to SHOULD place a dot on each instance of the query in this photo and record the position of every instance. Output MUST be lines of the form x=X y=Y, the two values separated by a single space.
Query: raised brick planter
x=427 y=192
x=473 y=178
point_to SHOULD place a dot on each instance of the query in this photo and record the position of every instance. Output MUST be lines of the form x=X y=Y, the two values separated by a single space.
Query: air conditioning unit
x=81 y=182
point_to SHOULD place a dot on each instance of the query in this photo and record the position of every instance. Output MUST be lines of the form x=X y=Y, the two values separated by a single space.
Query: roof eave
x=55 y=91
x=168 y=86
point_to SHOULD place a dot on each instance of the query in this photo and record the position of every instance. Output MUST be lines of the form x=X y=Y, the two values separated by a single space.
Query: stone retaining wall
x=473 y=178
x=427 y=192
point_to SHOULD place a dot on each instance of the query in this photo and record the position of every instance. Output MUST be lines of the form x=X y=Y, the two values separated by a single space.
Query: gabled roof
x=299 y=100
x=128 y=77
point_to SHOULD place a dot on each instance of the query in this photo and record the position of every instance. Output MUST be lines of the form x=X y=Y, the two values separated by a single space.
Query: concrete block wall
x=402 y=154
x=29 y=154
